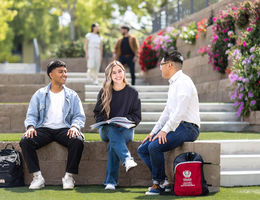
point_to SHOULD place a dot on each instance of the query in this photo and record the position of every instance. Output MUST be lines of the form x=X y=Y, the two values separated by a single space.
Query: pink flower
x=215 y=37
x=249 y=29
x=217 y=68
x=244 y=43
x=226 y=39
x=214 y=19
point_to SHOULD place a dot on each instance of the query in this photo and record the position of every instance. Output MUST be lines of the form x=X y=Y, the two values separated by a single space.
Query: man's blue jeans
x=117 y=138
x=152 y=152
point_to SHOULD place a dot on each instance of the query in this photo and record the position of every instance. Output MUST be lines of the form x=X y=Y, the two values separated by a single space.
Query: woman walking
x=117 y=99
x=93 y=52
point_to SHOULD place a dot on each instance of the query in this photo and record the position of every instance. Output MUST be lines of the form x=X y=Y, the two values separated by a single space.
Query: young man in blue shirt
x=55 y=113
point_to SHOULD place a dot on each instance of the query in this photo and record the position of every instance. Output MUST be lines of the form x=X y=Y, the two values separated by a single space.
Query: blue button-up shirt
x=73 y=113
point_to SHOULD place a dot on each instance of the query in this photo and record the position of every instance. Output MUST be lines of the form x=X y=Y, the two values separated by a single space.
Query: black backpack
x=189 y=178
x=11 y=168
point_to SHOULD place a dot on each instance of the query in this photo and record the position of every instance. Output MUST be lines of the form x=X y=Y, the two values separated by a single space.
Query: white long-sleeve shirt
x=182 y=104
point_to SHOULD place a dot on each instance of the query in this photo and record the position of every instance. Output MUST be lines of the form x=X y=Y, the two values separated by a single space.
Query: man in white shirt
x=55 y=113
x=178 y=123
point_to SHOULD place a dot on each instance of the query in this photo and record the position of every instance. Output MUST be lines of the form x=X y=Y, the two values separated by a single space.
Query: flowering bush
x=203 y=50
x=188 y=33
x=202 y=27
x=245 y=75
x=223 y=39
x=166 y=41
x=147 y=56
x=243 y=14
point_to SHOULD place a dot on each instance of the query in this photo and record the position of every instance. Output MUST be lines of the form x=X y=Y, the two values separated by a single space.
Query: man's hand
x=135 y=59
x=73 y=132
x=148 y=137
x=114 y=56
x=161 y=137
x=30 y=133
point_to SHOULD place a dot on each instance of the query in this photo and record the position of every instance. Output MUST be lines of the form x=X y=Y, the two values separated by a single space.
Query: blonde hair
x=106 y=96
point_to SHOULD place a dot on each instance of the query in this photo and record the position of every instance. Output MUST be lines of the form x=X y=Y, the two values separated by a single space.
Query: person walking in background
x=55 y=113
x=117 y=99
x=178 y=123
x=126 y=51
x=93 y=52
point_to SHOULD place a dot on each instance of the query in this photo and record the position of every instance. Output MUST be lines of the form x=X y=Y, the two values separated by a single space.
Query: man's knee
x=77 y=143
x=24 y=142
x=154 y=146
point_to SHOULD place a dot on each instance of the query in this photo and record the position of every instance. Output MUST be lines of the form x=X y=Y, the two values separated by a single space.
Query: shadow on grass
x=99 y=189
x=25 y=189
x=171 y=196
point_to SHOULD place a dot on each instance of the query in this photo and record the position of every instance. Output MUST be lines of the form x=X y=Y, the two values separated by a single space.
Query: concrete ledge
x=93 y=164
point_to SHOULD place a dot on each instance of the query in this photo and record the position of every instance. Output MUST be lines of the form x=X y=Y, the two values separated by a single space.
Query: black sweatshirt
x=124 y=103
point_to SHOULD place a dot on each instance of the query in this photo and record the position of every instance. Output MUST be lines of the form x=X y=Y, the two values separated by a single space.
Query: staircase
x=240 y=162
x=214 y=116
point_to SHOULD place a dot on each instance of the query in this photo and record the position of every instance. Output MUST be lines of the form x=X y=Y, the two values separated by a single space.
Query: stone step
x=138 y=81
x=239 y=146
x=146 y=127
x=22 y=79
x=240 y=178
x=17 y=68
x=204 y=116
x=139 y=88
x=100 y=75
x=240 y=162
x=142 y=95
x=204 y=107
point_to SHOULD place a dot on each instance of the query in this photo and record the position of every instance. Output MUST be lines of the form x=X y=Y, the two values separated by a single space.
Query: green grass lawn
x=98 y=193
x=140 y=137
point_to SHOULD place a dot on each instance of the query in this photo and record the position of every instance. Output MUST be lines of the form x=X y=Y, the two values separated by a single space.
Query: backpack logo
x=187 y=173
x=2 y=180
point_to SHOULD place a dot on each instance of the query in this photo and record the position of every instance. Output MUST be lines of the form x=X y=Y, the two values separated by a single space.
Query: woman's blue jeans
x=152 y=152
x=117 y=138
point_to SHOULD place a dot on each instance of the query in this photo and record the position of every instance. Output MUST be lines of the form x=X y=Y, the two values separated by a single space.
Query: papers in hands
x=120 y=121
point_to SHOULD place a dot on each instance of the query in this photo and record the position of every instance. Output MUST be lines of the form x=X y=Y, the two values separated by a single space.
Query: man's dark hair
x=173 y=56
x=54 y=64
x=125 y=27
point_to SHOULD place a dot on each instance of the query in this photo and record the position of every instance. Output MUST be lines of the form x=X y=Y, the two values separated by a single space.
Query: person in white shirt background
x=93 y=52
x=178 y=123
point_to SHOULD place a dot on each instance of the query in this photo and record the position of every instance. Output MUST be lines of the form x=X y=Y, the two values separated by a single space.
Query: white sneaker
x=110 y=187
x=38 y=182
x=68 y=182
x=129 y=163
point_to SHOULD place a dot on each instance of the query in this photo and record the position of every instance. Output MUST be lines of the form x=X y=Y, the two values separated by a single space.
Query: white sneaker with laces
x=68 y=182
x=38 y=182
x=110 y=187
x=129 y=163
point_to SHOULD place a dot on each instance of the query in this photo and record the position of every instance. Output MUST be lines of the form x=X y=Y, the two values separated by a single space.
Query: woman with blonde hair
x=117 y=99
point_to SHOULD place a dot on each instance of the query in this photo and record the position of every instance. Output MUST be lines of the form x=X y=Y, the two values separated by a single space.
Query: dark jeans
x=46 y=136
x=152 y=152
x=128 y=60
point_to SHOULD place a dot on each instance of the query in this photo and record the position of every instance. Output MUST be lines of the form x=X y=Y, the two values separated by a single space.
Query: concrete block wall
x=12 y=116
x=73 y=64
x=20 y=87
x=92 y=168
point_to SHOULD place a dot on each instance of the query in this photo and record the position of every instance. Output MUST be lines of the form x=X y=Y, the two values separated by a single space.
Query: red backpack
x=188 y=175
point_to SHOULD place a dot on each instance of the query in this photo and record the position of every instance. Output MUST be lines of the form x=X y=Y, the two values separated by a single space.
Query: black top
x=124 y=103
x=125 y=47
